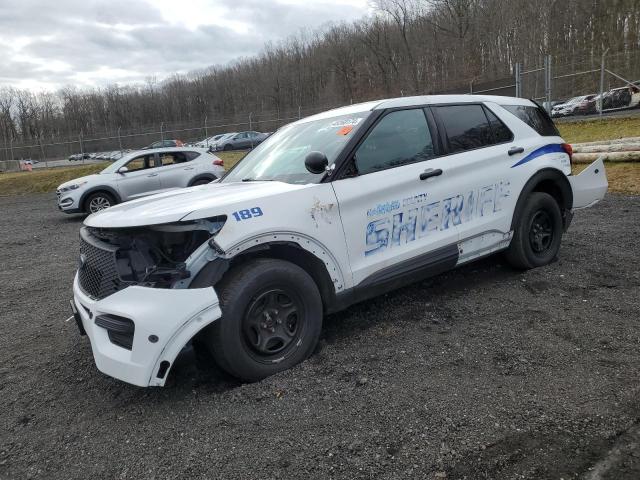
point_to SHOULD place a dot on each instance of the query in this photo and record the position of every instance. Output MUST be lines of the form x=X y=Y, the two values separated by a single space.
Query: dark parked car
x=241 y=141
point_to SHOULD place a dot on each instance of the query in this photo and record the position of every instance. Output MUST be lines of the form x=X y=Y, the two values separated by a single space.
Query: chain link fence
x=598 y=84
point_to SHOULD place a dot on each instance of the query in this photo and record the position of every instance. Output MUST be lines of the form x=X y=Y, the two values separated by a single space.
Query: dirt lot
x=484 y=372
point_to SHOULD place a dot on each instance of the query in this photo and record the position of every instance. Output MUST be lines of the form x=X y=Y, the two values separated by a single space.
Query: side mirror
x=316 y=162
x=123 y=170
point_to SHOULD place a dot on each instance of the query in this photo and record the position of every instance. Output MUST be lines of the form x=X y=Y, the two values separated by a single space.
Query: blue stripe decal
x=551 y=148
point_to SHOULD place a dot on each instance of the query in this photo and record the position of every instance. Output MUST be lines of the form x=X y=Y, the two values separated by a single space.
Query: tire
x=537 y=234
x=271 y=319
x=98 y=201
x=228 y=147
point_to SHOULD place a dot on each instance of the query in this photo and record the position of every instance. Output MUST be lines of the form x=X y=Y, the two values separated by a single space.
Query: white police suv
x=330 y=210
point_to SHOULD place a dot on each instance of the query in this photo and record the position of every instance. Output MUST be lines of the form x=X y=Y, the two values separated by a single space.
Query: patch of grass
x=42 y=180
x=605 y=129
x=230 y=158
x=623 y=177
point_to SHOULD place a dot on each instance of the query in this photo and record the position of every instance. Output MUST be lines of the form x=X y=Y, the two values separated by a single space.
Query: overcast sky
x=46 y=44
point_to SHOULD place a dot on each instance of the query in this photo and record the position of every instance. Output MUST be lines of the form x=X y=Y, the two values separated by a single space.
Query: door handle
x=188 y=168
x=152 y=175
x=430 y=173
x=515 y=150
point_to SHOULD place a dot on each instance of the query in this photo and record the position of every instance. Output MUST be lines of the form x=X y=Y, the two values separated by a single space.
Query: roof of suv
x=415 y=101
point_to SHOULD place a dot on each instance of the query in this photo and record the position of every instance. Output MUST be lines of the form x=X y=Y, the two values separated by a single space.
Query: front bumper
x=164 y=319
x=69 y=201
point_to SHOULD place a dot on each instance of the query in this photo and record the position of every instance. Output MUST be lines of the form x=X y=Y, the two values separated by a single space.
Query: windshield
x=281 y=156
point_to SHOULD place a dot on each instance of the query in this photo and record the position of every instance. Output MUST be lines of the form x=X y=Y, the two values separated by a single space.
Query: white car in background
x=207 y=142
x=139 y=174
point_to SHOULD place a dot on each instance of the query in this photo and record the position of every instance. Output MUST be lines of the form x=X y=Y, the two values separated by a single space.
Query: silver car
x=138 y=174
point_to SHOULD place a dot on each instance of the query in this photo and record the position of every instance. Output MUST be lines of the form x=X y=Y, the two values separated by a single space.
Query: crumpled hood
x=174 y=205
x=87 y=178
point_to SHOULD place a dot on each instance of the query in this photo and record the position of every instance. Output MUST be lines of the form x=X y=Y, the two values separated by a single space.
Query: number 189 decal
x=247 y=214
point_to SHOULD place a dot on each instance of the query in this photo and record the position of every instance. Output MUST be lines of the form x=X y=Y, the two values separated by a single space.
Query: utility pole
x=119 y=139
x=206 y=133
x=162 y=132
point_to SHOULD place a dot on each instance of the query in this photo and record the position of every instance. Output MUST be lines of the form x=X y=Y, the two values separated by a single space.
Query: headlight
x=75 y=186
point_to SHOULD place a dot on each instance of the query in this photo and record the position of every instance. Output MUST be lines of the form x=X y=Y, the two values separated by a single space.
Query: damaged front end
x=131 y=296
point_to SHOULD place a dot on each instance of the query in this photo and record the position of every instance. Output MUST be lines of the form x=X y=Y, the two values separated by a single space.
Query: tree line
x=407 y=47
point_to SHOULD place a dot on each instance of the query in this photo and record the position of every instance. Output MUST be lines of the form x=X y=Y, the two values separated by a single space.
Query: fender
x=202 y=176
x=100 y=188
x=305 y=242
x=549 y=176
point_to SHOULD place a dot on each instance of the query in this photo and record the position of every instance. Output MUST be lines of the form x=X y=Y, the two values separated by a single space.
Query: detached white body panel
x=589 y=186
x=170 y=317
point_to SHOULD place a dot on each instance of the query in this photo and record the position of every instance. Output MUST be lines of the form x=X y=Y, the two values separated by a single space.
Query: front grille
x=97 y=273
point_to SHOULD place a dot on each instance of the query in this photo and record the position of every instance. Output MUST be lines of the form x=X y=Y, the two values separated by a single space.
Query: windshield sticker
x=342 y=123
x=345 y=130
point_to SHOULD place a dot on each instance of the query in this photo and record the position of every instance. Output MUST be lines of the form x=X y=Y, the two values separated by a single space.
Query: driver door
x=398 y=206
x=141 y=178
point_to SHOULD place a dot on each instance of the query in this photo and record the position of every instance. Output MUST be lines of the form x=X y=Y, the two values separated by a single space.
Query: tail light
x=220 y=163
x=568 y=150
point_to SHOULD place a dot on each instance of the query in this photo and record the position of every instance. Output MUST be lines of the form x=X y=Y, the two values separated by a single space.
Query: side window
x=140 y=163
x=501 y=133
x=173 y=158
x=400 y=138
x=466 y=127
x=536 y=118
x=191 y=155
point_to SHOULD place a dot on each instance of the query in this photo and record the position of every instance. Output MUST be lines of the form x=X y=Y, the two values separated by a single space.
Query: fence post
x=206 y=133
x=299 y=112
x=518 y=80
x=119 y=139
x=81 y=148
x=162 y=132
x=547 y=81
x=44 y=156
x=602 y=81
x=11 y=145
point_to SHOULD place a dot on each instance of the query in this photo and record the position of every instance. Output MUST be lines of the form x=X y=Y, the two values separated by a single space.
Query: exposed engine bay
x=155 y=256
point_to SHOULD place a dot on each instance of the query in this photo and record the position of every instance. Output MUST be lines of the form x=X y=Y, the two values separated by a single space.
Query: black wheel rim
x=541 y=232
x=273 y=323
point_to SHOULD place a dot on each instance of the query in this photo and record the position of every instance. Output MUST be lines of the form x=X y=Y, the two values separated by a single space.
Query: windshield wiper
x=256 y=180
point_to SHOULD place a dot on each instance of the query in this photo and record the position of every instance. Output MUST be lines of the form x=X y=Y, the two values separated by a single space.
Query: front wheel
x=537 y=234
x=98 y=201
x=271 y=319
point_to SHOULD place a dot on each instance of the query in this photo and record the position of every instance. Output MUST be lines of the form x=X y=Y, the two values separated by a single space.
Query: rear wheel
x=271 y=319
x=538 y=233
x=98 y=201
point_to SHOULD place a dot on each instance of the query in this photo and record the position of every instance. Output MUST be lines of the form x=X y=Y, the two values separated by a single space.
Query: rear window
x=536 y=118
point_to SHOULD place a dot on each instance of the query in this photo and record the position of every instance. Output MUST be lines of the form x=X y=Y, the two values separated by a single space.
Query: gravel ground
x=483 y=372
